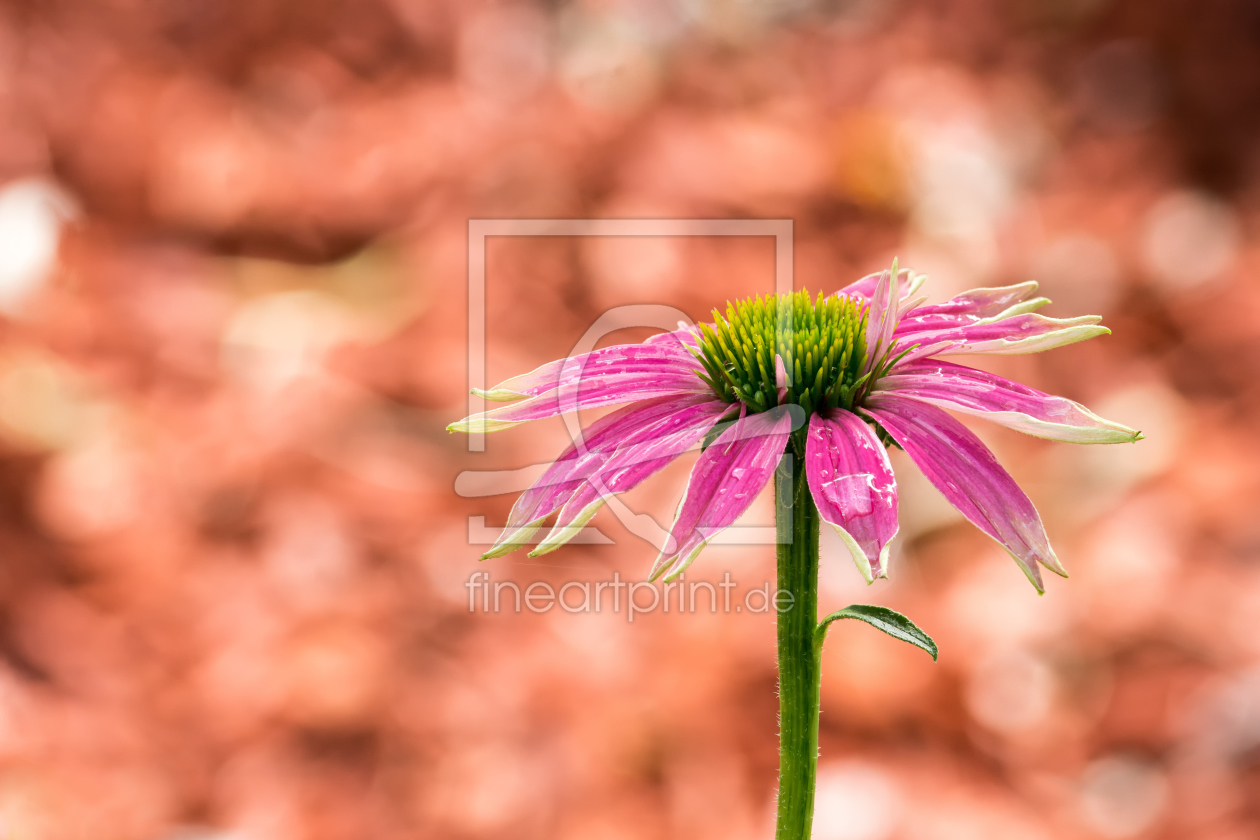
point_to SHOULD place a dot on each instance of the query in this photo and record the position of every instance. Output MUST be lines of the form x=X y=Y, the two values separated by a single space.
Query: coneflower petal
x=589 y=392
x=972 y=306
x=864 y=289
x=1002 y=401
x=687 y=335
x=1024 y=333
x=724 y=482
x=853 y=487
x=885 y=304
x=669 y=351
x=566 y=474
x=639 y=456
x=968 y=475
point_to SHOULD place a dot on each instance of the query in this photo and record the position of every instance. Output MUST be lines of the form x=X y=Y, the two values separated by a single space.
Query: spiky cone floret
x=835 y=380
x=781 y=349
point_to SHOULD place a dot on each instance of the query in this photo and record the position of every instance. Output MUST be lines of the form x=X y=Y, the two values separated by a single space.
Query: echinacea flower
x=833 y=381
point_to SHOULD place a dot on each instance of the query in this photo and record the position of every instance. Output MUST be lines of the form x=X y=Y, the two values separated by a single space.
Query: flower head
x=835 y=380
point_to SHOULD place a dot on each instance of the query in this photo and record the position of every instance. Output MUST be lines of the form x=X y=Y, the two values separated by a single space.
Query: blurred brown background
x=233 y=297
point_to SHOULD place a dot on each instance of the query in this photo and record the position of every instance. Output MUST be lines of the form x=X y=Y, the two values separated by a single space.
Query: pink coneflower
x=832 y=382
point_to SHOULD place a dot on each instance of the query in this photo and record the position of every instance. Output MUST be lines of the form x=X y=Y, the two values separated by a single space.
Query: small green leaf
x=881 y=618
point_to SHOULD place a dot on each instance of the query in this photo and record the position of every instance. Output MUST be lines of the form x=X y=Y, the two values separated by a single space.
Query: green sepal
x=881 y=618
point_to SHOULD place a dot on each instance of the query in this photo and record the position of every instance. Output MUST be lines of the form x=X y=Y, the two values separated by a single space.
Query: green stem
x=797 y=520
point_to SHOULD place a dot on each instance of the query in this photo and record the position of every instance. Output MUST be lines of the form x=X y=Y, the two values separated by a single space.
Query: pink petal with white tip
x=970 y=307
x=1000 y=400
x=1024 y=333
x=724 y=482
x=590 y=392
x=853 y=487
x=669 y=352
x=637 y=457
x=968 y=475
x=582 y=459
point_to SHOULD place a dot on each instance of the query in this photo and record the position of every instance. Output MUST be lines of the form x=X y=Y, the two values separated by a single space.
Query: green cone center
x=822 y=344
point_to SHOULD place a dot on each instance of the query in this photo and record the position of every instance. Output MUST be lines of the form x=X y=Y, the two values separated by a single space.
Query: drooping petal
x=566 y=474
x=724 y=482
x=972 y=306
x=920 y=321
x=853 y=487
x=668 y=352
x=1009 y=403
x=590 y=392
x=1024 y=333
x=968 y=475
x=638 y=456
